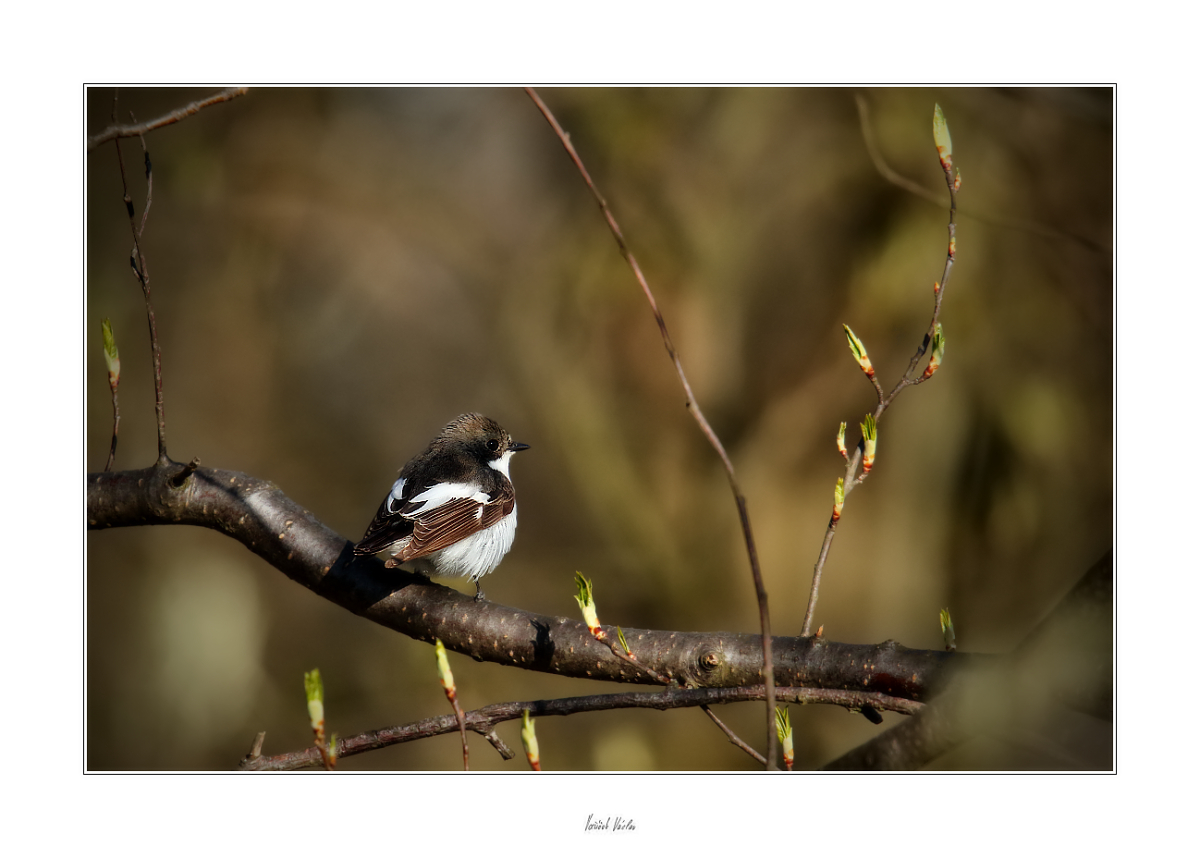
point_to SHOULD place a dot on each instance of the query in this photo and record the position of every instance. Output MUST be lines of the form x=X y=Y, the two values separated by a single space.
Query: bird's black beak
x=517 y=447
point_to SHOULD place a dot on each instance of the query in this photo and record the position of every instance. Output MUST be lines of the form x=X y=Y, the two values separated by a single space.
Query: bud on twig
x=941 y=138
x=529 y=740
x=447 y=680
x=939 y=351
x=869 y=435
x=860 y=352
x=947 y=630
x=314 y=693
x=588 y=605
x=783 y=726
x=625 y=646
x=111 y=357
x=839 y=498
x=841 y=441
x=443 y=665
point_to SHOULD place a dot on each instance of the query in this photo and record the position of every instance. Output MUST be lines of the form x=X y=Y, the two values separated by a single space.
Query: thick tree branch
x=290 y=538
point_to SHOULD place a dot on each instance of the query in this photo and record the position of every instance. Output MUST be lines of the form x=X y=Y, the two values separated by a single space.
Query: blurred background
x=338 y=272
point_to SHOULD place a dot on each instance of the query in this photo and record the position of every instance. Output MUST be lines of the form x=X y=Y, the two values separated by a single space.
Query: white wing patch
x=442 y=493
x=395 y=495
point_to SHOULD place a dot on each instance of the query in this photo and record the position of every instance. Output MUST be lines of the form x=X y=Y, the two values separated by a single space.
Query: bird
x=452 y=512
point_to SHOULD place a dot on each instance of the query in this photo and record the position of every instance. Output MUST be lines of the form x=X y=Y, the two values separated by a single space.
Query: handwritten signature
x=609 y=823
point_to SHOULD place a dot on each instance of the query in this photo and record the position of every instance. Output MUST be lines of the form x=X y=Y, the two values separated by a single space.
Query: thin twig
x=114 y=132
x=816 y=579
x=733 y=737
x=694 y=408
x=255 y=748
x=149 y=184
x=462 y=729
x=112 y=450
x=623 y=652
x=629 y=658
x=505 y=752
x=851 y=481
x=1019 y=224
x=142 y=272
x=484 y=719
x=177 y=481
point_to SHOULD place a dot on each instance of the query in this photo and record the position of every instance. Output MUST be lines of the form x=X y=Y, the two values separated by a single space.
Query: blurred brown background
x=338 y=272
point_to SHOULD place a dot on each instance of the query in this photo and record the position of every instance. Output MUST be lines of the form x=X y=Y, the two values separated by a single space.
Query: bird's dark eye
x=493 y=445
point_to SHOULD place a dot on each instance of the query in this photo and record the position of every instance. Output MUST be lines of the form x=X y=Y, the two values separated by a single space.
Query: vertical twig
x=906 y=380
x=462 y=731
x=141 y=271
x=112 y=360
x=446 y=677
x=112 y=450
x=137 y=259
x=694 y=408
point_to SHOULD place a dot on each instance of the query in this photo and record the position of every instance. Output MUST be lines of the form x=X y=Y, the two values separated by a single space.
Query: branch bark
x=290 y=538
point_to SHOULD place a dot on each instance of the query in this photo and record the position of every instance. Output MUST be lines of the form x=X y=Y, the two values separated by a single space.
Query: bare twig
x=138 y=259
x=694 y=408
x=149 y=184
x=112 y=450
x=177 y=481
x=851 y=481
x=818 y=568
x=114 y=132
x=462 y=729
x=141 y=271
x=484 y=719
x=733 y=737
x=255 y=749
x=505 y=752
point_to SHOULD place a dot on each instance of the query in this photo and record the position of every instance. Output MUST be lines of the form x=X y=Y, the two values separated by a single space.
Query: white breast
x=478 y=554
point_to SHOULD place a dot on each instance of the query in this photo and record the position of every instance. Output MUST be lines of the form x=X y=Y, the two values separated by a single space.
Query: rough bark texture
x=265 y=520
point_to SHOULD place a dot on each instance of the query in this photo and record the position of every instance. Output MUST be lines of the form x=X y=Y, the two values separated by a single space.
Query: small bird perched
x=453 y=511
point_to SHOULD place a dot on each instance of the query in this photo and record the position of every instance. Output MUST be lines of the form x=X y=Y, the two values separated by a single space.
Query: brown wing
x=386 y=529
x=455 y=520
